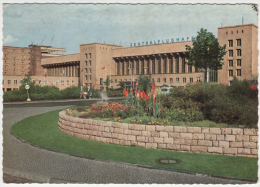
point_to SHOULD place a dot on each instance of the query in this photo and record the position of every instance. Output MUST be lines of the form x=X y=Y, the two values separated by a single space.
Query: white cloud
x=9 y=39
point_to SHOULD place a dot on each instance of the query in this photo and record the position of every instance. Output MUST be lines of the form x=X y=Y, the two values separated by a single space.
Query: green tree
x=206 y=52
x=144 y=83
x=107 y=82
x=255 y=8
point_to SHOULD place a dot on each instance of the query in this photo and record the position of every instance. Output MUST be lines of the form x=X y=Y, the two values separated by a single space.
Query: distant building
x=165 y=63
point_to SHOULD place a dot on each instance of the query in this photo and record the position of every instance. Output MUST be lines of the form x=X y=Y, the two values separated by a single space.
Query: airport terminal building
x=164 y=62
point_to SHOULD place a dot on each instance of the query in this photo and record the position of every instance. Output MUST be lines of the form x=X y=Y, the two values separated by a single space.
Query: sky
x=69 y=25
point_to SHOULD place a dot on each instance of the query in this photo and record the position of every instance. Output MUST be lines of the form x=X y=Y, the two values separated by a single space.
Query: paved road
x=28 y=163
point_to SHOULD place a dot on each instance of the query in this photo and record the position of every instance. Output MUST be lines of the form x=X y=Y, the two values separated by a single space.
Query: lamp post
x=27 y=87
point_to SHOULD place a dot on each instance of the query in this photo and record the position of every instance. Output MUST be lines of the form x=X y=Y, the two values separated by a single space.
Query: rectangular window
x=89 y=70
x=153 y=80
x=159 y=65
x=230 y=63
x=57 y=82
x=40 y=82
x=238 y=42
x=189 y=68
x=123 y=68
x=115 y=80
x=230 y=43
x=118 y=67
x=86 y=55
x=90 y=63
x=184 y=80
x=62 y=82
x=51 y=82
x=142 y=66
x=8 y=81
x=101 y=81
x=177 y=65
x=153 y=66
x=86 y=70
x=171 y=80
x=127 y=68
x=45 y=82
x=164 y=80
x=191 y=80
x=198 y=79
x=239 y=72
x=90 y=77
x=89 y=55
x=238 y=52
x=230 y=73
x=15 y=81
x=230 y=52
x=73 y=82
x=183 y=65
x=177 y=80
x=68 y=82
x=86 y=77
x=86 y=63
x=196 y=69
x=148 y=67
x=238 y=62
x=158 y=79
x=3 y=81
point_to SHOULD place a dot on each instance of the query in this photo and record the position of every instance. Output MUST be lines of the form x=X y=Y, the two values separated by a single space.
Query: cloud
x=9 y=39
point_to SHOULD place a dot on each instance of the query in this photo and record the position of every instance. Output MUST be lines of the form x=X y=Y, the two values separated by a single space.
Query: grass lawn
x=42 y=130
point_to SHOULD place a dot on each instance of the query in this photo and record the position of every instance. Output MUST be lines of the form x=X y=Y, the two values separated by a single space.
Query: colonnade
x=68 y=69
x=152 y=64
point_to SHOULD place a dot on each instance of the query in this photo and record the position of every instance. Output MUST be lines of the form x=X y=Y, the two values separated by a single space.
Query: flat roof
x=251 y=24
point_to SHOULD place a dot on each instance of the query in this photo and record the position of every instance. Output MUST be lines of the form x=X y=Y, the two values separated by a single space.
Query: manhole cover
x=168 y=161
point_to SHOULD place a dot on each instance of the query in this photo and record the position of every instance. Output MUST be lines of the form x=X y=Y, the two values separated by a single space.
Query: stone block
x=80 y=125
x=150 y=128
x=155 y=134
x=236 y=144
x=215 y=131
x=174 y=134
x=220 y=137
x=168 y=128
x=98 y=139
x=101 y=128
x=124 y=125
x=113 y=135
x=185 y=148
x=197 y=136
x=179 y=141
x=205 y=130
x=254 y=151
x=205 y=142
x=131 y=137
x=85 y=136
x=159 y=128
x=179 y=129
x=141 y=144
x=242 y=138
x=91 y=137
x=135 y=132
x=231 y=138
x=124 y=142
x=194 y=142
x=164 y=134
x=230 y=151
x=116 y=125
x=94 y=122
x=173 y=146
x=158 y=140
x=237 y=131
x=99 y=133
x=215 y=150
x=226 y=130
x=151 y=145
x=250 y=132
x=131 y=126
x=194 y=129
x=109 y=140
x=139 y=127
x=122 y=137
x=212 y=137
x=146 y=133
x=126 y=131
x=186 y=135
x=115 y=141
x=104 y=140
x=118 y=130
x=107 y=129
x=253 y=139
x=161 y=146
x=86 y=126
x=200 y=149
x=84 y=131
x=215 y=143
x=150 y=139
x=141 y=139
x=168 y=140
x=250 y=145
x=223 y=143
x=243 y=151
x=107 y=134
x=95 y=133
x=99 y=123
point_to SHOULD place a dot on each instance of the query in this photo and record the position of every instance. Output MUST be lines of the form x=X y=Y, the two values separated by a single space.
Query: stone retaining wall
x=227 y=141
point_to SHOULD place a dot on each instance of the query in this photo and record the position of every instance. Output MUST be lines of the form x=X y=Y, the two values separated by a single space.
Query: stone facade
x=224 y=141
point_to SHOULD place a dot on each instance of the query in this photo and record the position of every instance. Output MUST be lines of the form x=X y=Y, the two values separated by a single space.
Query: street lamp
x=27 y=87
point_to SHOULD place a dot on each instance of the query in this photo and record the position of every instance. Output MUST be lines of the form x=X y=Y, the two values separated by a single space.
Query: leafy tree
x=206 y=52
x=144 y=83
x=255 y=8
x=107 y=82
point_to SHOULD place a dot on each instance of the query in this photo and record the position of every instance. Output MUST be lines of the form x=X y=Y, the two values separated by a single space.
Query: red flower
x=139 y=96
x=153 y=86
x=153 y=99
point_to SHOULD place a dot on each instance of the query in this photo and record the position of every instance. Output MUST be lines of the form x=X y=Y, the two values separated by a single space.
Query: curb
x=129 y=164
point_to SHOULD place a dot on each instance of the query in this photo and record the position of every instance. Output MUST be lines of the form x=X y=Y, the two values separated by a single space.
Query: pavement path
x=27 y=163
